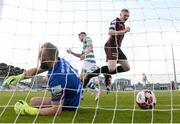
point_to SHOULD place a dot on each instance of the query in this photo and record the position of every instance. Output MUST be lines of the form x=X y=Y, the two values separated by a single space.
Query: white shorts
x=88 y=67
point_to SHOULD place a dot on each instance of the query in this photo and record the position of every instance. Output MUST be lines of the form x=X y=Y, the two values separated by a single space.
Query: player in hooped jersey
x=63 y=83
x=113 y=51
x=88 y=57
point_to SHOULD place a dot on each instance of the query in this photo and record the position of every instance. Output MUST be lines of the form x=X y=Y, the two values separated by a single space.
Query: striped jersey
x=90 y=56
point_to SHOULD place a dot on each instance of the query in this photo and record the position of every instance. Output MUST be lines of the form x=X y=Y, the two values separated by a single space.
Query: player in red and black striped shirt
x=113 y=50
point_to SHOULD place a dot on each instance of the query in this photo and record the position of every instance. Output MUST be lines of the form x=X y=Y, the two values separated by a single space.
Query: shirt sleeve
x=88 y=40
x=57 y=87
x=113 y=25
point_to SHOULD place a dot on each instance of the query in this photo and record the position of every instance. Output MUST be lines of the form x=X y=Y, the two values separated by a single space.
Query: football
x=146 y=99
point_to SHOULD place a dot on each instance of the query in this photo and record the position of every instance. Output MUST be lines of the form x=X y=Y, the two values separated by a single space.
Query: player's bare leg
x=112 y=64
x=40 y=102
x=111 y=69
x=108 y=82
x=54 y=109
x=125 y=64
x=82 y=77
x=47 y=106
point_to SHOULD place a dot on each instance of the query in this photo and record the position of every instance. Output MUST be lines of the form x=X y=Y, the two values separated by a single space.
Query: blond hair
x=50 y=50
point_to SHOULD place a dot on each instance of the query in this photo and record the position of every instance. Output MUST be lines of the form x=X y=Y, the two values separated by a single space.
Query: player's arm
x=121 y=32
x=13 y=80
x=88 y=49
x=75 y=54
x=112 y=29
x=33 y=71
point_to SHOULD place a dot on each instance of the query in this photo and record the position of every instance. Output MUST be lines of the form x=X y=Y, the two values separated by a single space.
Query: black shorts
x=114 y=53
x=68 y=109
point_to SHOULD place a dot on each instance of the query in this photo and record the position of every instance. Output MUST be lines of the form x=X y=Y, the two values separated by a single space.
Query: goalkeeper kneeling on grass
x=63 y=83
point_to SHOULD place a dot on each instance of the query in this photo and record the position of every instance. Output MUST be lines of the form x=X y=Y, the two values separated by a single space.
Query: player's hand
x=22 y=108
x=127 y=29
x=13 y=80
x=82 y=57
x=69 y=51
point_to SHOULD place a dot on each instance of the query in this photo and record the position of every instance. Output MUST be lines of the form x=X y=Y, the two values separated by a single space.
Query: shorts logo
x=56 y=90
x=114 y=54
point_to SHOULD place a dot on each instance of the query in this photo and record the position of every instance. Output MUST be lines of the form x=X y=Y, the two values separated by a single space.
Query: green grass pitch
x=114 y=107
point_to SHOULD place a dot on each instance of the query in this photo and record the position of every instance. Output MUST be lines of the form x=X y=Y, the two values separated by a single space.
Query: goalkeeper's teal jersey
x=90 y=56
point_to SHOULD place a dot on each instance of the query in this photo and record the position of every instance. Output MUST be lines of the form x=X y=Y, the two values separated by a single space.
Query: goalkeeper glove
x=22 y=108
x=13 y=80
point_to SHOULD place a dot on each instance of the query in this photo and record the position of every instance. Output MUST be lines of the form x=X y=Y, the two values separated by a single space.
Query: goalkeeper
x=63 y=83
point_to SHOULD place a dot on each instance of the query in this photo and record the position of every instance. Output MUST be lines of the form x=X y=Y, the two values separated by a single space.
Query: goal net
x=152 y=48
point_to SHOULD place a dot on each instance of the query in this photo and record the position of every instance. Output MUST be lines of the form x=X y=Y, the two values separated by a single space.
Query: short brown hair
x=125 y=10
x=50 y=50
x=82 y=33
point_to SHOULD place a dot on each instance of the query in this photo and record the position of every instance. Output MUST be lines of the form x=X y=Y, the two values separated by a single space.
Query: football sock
x=104 y=70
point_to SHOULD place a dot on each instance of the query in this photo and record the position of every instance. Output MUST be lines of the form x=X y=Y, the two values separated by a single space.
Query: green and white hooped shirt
x=90 y=56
